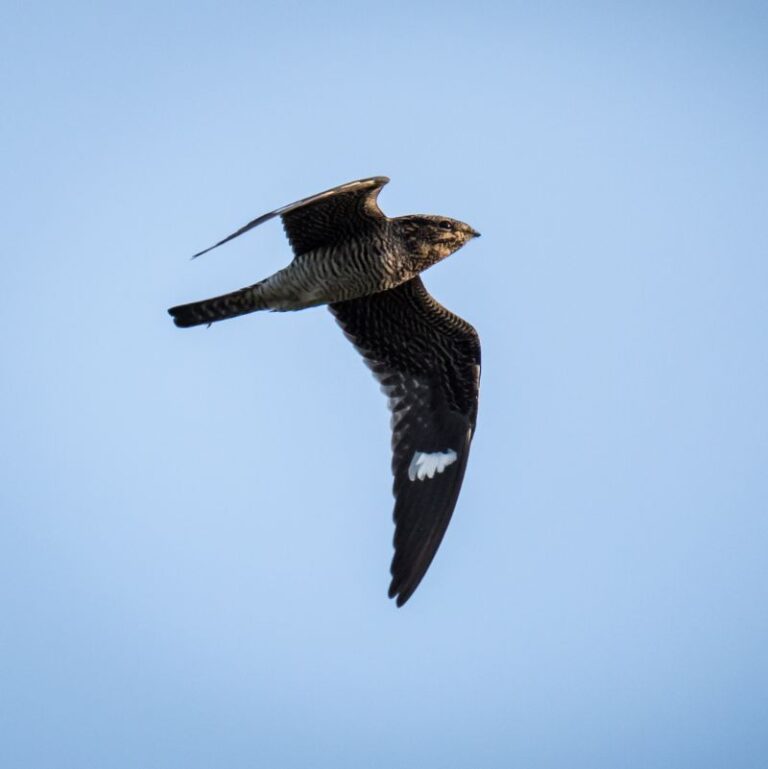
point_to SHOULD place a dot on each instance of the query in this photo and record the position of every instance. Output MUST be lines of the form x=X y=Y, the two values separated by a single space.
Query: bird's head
x=432 y=238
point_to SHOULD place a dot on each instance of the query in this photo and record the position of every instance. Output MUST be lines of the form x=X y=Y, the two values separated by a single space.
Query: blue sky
x=195 y=532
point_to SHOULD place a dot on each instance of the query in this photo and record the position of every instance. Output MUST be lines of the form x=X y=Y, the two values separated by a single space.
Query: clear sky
x=195 y=528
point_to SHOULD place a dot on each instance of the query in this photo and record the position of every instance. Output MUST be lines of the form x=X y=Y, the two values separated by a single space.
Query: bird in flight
x=365 y=266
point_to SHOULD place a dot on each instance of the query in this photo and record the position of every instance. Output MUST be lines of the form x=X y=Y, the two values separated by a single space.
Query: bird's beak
x=475 y=233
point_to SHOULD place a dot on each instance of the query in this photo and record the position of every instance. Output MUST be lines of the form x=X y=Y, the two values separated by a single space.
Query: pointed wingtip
x=200 y=253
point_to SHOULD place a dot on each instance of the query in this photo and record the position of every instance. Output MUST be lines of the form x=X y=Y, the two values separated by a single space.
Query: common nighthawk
x=365 y=267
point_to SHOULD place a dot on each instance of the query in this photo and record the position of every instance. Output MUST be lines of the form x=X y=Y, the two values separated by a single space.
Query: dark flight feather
x=428 y=362
x=320 y=219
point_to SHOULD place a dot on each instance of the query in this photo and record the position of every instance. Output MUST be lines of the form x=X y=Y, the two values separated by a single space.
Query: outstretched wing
x=428 y=363
x=326 y=218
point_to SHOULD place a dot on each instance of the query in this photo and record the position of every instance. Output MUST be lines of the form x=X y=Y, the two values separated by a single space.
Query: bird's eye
x=445 y=225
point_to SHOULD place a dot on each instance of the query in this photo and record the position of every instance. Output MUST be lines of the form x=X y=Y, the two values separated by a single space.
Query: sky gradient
x=195 y=528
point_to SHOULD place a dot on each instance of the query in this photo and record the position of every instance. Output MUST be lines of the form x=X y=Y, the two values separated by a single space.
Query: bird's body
x=365 y=266
x=356 y=267
x=326 y=274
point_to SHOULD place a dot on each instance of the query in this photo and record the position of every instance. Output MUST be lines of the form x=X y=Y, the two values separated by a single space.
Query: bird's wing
x=325 y=218
x=427 y=361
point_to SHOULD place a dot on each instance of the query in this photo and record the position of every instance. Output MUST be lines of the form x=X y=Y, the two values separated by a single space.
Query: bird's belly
x=326 y=276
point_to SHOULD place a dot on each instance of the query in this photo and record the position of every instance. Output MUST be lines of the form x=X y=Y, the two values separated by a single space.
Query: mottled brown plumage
x=365 y=266
x=344 y=248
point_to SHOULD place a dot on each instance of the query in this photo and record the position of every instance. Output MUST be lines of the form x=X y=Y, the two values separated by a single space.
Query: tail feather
x=219 y=307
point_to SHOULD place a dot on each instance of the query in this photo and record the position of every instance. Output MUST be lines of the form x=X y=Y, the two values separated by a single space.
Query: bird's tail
x=231 y=305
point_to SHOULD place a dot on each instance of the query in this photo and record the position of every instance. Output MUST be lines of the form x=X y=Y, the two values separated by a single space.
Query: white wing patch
x=425 y=465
